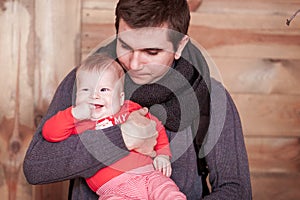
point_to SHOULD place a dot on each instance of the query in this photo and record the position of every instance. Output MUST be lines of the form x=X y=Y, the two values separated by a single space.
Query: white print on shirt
x=104 y=124
x=110 y=121
x=120 y=119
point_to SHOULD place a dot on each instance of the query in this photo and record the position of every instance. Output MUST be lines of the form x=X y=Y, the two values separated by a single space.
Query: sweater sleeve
x=60 y=126
x=78 y=155
x=162 y=147
x=227 y=161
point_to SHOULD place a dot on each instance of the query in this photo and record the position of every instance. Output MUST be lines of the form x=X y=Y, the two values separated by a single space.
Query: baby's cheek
x=81 y=98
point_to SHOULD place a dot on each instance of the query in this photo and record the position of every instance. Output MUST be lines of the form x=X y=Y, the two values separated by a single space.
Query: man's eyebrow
x=146 y=49
x=123 y=42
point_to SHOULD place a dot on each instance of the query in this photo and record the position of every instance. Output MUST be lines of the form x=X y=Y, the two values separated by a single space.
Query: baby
x=100 y=104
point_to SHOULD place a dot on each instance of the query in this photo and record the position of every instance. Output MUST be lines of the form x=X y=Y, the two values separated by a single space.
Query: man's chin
x=140 y=81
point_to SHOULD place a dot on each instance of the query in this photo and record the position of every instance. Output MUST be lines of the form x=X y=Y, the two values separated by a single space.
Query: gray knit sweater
x=80 y=156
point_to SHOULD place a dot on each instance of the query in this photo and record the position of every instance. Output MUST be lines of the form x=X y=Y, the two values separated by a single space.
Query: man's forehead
x=155 y=38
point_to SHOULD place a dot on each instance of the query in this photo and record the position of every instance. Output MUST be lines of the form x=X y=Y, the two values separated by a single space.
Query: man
x=169 y=75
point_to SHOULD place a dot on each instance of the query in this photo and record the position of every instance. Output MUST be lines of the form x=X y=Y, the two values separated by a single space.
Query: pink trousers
x=143 y=183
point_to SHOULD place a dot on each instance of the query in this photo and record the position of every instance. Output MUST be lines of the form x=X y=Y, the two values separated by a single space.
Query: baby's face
x=103 y=91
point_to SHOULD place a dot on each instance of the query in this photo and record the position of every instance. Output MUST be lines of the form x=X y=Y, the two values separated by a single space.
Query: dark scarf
x=179 y=99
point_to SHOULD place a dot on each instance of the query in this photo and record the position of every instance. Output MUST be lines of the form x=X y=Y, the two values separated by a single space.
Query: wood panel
x=57 y=32
x=255 y=14
x=94 y=35
x=103 y=4
x=274 y=154
x=57 y=36
x=40 y=42
x=275 y=115
x=16 y=108
x=246 y=44
x=275 y=186
x=260 y=75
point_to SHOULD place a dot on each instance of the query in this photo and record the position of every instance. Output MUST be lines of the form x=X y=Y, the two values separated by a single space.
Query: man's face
x=146 y=54
x=103 y=91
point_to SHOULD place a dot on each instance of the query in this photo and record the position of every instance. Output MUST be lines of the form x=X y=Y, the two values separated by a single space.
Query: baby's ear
x=122 y=98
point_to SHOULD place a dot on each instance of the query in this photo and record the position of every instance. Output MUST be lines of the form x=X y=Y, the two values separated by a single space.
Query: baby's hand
x=162 y=163
x=139 y=133
x=82 y=111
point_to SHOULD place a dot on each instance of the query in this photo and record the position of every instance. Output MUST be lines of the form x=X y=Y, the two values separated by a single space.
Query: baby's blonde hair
x=99 y=62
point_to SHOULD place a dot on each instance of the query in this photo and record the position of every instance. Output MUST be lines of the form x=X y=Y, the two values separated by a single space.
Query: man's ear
x=181 y=46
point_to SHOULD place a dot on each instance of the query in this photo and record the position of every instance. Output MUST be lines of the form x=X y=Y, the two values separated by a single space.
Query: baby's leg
x=162 y=187
x=111 y=197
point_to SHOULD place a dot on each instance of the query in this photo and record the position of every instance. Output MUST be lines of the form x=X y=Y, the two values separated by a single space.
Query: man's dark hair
x=154 y=13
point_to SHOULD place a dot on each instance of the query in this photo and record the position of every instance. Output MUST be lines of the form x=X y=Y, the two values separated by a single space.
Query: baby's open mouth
x=98 y=106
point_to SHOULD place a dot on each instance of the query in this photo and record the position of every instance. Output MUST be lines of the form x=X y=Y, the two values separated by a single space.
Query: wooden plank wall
x=257 y=56
x=39 y=42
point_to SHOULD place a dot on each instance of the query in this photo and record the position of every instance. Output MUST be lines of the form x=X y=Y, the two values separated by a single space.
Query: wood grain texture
x=255 y=53
x=57 y=31
x=254 y=14
x=16 y=108
x=260 y=75
x=274 y=154
x=40 y=42
x=269 y=114
x=275 y=186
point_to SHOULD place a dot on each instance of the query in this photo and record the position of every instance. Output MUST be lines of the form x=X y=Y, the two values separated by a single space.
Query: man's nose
x=135 y=61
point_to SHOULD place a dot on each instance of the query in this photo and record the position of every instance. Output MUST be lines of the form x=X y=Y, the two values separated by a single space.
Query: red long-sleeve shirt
x=60 y=126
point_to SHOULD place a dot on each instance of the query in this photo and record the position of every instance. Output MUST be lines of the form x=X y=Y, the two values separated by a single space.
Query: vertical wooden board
x=53 y=191
x=16 y=99
x=58 y=35
x=12 y=150
x=57 y=28
x=15 y=43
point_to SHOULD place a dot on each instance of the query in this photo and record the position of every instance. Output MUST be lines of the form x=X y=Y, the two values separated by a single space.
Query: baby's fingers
x=167 y=170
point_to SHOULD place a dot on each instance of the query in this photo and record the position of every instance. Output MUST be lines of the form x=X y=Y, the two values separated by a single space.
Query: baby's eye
x=104 y=90
x=85 y=89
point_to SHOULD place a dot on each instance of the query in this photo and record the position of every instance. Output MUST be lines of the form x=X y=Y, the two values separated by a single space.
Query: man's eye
x=152 y=52
x=124 y=46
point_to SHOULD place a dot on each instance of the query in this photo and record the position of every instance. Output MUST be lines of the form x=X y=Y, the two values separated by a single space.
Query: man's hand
x=82 y=111
x=139 y=133
x=162 y=163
